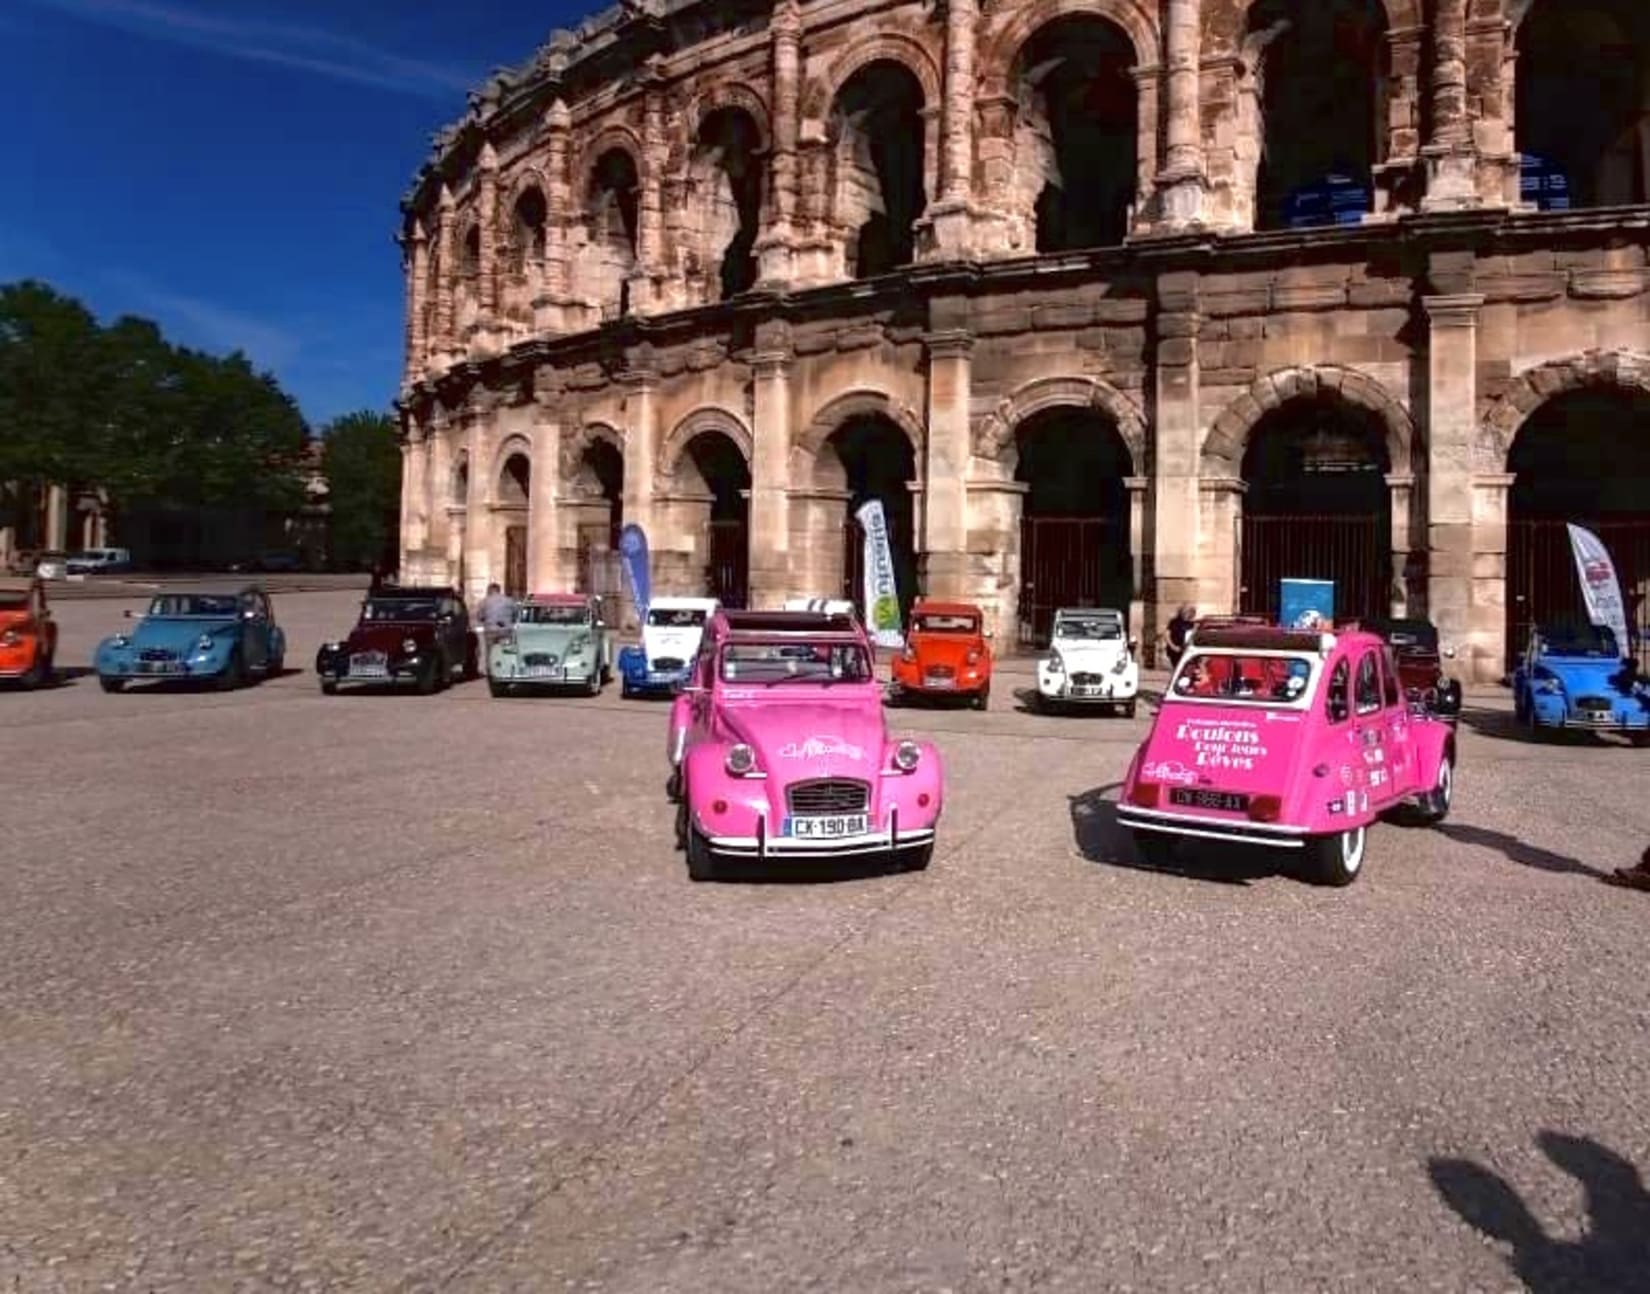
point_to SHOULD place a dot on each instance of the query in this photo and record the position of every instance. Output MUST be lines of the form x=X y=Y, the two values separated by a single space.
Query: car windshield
x=1580 y=640
x=195 y=604
x=934 y=622
x=1410 y=634
x=553 y=615
x=399 y=609
x=1228 y=676
x=1088 y=628
x=795 y=662
x=676 y=617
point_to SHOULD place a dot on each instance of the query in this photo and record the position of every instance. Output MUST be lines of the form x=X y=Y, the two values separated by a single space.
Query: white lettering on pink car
x=819 y=748
x=1232 y=743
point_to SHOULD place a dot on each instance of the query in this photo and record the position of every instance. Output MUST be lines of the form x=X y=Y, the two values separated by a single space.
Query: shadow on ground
x=1101 y=838
x=1518 y=851
x=1027 y=700
x=1612 y=1255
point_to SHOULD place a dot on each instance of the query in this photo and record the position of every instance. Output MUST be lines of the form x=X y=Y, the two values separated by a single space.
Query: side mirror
x=1449 y=653
x=1134 y=644
x=990 y=634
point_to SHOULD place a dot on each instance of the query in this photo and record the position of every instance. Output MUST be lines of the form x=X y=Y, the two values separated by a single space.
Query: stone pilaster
x=646 y=279
x=1401 y=503
x=773 y=248
x=1175 y=448
x=549 y=309
x=641 y=444
x=1148 y=90
x=1182 y=181
x=544 y=565
x=1452 y=182
x=487 y=239
x=1451 y=415
x=1220 y=537
x=948 y=450
x=446 y=263
x=418 y=305
x=1394 y=174
x=1488 y=621
x=770 y=519
x=478 y=520
x=1139 y=488
x=947 y=227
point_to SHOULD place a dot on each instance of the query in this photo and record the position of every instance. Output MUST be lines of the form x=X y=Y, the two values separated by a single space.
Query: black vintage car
x=1414 y=643
x=410 y=636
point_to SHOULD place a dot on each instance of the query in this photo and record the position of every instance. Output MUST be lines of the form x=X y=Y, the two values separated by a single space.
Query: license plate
x=827 y=828
x=160 y=667
x=941 y=680
x=1085 y=689
x=1225 y=801
x=368 y=666
x=541 y=671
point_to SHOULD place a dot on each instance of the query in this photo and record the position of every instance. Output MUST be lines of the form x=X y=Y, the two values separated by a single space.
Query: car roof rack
x=1260 y=637
x=799 y=622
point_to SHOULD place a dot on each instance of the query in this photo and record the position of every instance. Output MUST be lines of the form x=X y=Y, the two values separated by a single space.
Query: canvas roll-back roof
x=1090 y=613
x=925 y=607
x=811 y=623
x=558 y=600
x=407 y=592
x=1256 y=637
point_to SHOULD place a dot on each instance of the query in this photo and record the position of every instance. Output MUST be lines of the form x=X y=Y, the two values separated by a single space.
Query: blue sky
x=232 y=168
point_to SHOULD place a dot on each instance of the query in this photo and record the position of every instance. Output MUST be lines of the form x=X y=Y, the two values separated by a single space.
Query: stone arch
x=861 y=403
x=1223 y=24
x=1223 y=447
x=512 y=447
x=994 y=434
x=885 y=47
x=576 y=440
x=730 y=94
x=703 y=419
x=609 y=138
x=1501 y=420
x=1135 y=19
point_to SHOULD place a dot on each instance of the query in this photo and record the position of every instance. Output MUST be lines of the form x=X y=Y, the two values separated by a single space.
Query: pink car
x=781 y=751
x=1290 y=739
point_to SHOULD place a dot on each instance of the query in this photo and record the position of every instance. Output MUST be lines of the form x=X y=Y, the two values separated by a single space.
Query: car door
x=1369 y=720
x=1400 y=751
x=254 y=630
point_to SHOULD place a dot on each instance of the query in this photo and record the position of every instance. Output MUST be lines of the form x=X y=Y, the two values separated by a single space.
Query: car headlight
x=409 y=645
x=1550 y=686
x=973 y=657
x=909 y=655
x=1056 y=665
x=741 y=760
x=120 y=641
x=205 y=643
x=10 y=638
x=578 y=644
x=1122 y=664
x=907 y=755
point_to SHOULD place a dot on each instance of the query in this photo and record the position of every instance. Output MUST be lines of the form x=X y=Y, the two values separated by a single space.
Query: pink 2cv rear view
x=1290 y=739
x=780 y=751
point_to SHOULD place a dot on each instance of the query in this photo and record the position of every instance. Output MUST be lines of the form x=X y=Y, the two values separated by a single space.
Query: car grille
x=941 y=671
x=829 y=795
x=538 y=658
x=663 y=663
x=157 y=654
x=1087 y=680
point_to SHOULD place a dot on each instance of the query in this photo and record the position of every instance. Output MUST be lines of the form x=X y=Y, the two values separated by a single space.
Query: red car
x=405 y=636
x=28 y=635
x=946 y=654
x=1420 y=662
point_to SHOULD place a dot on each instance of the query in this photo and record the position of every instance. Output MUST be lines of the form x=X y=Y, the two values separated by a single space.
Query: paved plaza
x=402 y=993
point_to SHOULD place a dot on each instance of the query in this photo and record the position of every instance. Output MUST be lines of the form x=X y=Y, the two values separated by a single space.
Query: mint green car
x=558 y=640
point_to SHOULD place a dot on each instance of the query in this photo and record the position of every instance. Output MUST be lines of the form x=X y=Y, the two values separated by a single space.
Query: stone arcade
x=1124 y=301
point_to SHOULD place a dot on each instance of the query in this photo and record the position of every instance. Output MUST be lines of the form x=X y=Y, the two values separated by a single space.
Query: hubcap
x=1446 y=785
x=1352 y=849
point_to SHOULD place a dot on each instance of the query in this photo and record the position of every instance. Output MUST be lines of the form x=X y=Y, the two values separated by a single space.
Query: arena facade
x=1125 y=302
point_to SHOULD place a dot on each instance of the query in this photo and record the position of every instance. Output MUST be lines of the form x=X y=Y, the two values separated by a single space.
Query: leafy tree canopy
x=361 y=461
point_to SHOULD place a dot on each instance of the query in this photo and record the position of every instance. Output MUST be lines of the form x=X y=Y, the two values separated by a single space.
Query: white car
x=91 y=561
x=670 y=640
x=1090 y=662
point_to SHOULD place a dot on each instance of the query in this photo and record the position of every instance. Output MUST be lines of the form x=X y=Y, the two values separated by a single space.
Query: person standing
x=1180 y=629
x=495 y=616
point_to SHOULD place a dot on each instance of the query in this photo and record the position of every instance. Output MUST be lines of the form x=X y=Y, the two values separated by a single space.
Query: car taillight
x=1265 y=808
x=1145 y=794
x=973 y=656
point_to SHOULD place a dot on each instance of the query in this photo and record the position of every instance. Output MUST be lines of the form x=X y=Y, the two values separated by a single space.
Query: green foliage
x=361 y=461
x=122 y=408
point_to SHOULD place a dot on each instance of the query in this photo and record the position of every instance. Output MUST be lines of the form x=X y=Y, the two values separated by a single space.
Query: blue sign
x=1306 y=604
x=633 y=560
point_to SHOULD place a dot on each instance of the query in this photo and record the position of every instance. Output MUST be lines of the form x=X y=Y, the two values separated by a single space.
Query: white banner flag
x=881 y=591
x=1599 y=585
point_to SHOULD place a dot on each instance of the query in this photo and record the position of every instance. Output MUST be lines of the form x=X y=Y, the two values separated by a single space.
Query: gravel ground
x=386 y=992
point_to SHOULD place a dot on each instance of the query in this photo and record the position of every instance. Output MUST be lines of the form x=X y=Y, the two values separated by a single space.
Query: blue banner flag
x=633 y=558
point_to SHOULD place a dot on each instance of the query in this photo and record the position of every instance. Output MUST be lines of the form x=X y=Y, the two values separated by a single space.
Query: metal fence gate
x=1542 y=584
x=1353 y=551
x=729 y=574
x=515 y=561
x=1062 y=564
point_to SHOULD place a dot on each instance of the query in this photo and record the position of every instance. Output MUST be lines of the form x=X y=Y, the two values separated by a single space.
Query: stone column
x=559 y=205
x=544 y=565
x=1177 y=566
x=1147 y=93
x=641 y=449
x=770 y=520
x=1221 y=537
x=446 y=265
x=1138 y=487
x=948 y=231
x=57 y=517
x=1181 y=182
x=487 y=241
x=414 y=454
x=645 y=281
x=477 y=550
x=1452 y=183
x=947 y=453
x=1452 y=373
x=418 y=286
x=773 y=248
x=1489 y=574
x=1401 y=495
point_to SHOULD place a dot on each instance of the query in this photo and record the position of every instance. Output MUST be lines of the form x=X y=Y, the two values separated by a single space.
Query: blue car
x=1573 y=676
x=220 y=638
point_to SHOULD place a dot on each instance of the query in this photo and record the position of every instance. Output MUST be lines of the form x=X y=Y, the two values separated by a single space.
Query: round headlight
x=1056 y=665
x=205 y=643
x=741 y=759
x=906 y=756
x=409 y=645
x=10 y=638
x=120 y=640
x=908 y=655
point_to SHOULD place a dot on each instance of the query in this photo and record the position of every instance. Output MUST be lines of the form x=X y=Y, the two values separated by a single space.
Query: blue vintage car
x=221 y=638
x=1573 y=676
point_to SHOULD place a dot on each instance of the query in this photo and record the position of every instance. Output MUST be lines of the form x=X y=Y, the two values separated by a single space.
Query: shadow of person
x=1519 y=851
x=1101 y=838
x=1613 y=1254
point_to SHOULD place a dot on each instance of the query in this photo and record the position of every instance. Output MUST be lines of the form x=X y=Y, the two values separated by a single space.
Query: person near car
x=1180 y=628
x=1636 y=877
x=495 y=616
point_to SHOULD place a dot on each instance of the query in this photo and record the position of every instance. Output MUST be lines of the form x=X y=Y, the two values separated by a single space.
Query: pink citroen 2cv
x=1290 y=739
x=780 y=751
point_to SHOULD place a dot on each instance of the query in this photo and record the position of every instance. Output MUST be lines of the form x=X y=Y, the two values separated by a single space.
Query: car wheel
x=329 y=687
x=624 y=691
x=982 y=699
x=39 y=673
x=1128 y=708
x=1154 y=849
x=234 y=673
x=429 y=678
x=497 y=688
x=1435 y=803
x=112 y=684
x=1533 y=728
x=673 y=787
x=593 y=685
x=701 y=861
x=1336 y=860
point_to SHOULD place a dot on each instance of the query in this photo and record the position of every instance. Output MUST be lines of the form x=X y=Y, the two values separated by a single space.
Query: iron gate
x=1353 y=551
x=1062 y=564
x=515 y=561
x=728 y=577
x=1542 y=585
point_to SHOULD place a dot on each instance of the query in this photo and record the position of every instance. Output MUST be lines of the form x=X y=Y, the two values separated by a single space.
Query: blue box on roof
x=1306 y=604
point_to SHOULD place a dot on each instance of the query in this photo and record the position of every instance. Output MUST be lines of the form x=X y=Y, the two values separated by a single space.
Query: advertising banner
x=881 y=591
x=1306 y=604
x=633 y=560
x=1599 y=585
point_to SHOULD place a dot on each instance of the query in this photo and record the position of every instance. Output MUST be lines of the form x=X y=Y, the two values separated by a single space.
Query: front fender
x=681 y=721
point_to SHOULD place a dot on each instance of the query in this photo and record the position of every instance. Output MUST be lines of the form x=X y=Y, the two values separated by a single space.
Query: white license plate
x=541 y=671
x=828 y=828
x=368 y=667
x=1085 y=691
x=160 y=667
x=940 y=680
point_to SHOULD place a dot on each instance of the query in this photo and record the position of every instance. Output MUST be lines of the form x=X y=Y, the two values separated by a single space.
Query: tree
x=361 y=460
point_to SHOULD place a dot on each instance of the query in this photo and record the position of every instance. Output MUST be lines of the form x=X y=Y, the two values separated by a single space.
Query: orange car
x=946 y=654
x=28 y=636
